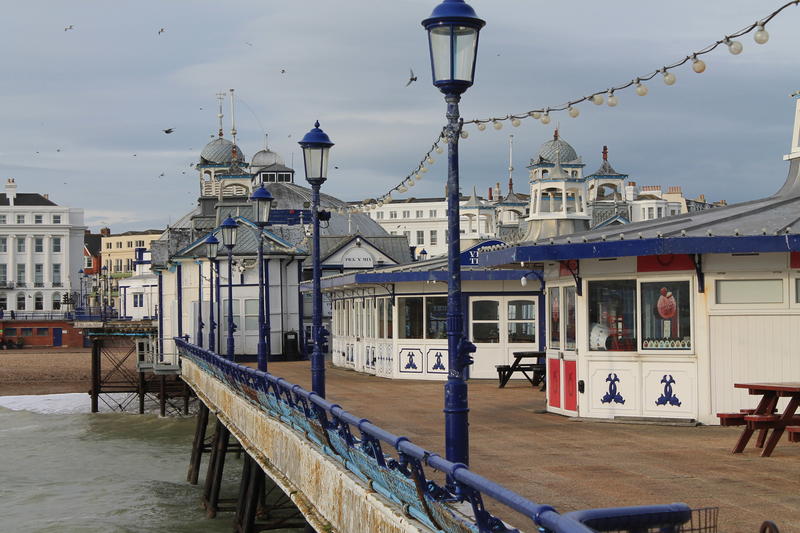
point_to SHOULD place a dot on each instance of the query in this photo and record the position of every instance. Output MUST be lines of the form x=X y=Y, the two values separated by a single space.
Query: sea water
x=64 y=470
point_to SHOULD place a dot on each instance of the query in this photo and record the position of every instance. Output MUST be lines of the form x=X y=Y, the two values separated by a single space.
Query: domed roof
x=557 y=148
x=219 y=151
x=266 y=158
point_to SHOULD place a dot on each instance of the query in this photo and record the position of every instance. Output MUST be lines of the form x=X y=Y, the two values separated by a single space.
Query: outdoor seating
x=537 y=369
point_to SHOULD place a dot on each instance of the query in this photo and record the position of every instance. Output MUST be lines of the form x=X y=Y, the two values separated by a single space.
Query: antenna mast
x=220 y=97
x=233 y=117
x=510 y=156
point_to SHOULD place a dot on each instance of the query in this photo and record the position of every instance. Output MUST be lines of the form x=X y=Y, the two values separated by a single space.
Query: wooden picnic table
x=536 y=368
x=765 y=416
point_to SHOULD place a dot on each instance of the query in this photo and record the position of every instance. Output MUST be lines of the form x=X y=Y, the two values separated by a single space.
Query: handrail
x=287 y=401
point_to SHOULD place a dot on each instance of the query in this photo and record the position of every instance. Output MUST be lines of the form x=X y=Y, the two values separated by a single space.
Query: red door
x=570 y=385
x=554 y=381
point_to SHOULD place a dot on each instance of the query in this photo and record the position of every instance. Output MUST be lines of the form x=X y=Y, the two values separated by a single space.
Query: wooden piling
x=162 y=389
x=96 y=358
x=198 y=445
x=216 y=467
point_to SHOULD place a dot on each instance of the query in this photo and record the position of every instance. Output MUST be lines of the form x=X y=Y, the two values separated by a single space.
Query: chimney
x=674 y=189
x=490 y=194
x=105 y=232
x=11 y=191
x=46 y=196
x=497 y=191
x=510 y=185
x=605 y=153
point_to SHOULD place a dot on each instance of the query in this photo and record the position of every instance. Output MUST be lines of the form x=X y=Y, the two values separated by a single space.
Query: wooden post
x=97 y=345
x=163 y=394
x=198 y=444
x=186 y=394
x=216 y=468
x=142 y=390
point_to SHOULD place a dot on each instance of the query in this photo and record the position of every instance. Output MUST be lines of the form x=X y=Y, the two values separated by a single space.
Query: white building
x=41 y=250
x=138 y=293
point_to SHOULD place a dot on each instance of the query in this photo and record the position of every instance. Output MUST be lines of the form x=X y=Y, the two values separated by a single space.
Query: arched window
x=56 y=301
x=38 y=302
x=20 y=301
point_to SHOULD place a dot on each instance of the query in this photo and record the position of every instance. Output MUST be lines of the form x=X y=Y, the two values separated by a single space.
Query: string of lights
x=607 y=96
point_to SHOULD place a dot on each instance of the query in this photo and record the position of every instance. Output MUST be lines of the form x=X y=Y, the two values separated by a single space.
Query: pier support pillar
x=216 y=466
x=97 y=346
x=162 y=389
x=198 y=445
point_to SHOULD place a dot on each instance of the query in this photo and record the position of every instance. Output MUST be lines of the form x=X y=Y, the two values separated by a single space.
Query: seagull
x=161 y=175
x=134 y=155
x=58 y=149
x=168 y=130
x=796 y=93
x=283 y=71
x=412 y=78
x=337 y=168
x=70 y=27
x=162 y=30
x=248 y=43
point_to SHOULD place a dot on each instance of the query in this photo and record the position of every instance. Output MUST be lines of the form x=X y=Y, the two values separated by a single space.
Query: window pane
x=749 y=291
x=389 y=319
x=251 y=323
x=27 y=332
x=466 y=41
x=381 y=318
x=797 y=290
x=522 y=332
x=569 y=326
x=521 y=310
x=250 y=307
x=410 y=317
x=436 y=317
x=554 y=312
x=41 y=332
x=485 y=332
x=612 y=315
x=485 y=310
x=666 y=320
x=440 y=51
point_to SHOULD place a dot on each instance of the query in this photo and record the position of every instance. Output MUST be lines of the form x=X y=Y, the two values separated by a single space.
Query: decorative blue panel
x=668 y=397
x=436 y=361
x=612 y=395
x=411 y=360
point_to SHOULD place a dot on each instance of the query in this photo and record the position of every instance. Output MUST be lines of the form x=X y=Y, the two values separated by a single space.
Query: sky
x=83 y=110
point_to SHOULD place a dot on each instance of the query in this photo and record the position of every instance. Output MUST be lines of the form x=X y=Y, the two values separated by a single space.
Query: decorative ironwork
x=668 y=397
x=612 y=395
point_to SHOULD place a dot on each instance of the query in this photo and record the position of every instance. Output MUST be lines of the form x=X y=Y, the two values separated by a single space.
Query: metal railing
x=36 y=315
x=402 y=477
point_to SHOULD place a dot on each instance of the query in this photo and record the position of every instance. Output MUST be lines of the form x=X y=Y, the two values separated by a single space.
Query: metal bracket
x=385 y=287
x=697 y=259
x=575 y=274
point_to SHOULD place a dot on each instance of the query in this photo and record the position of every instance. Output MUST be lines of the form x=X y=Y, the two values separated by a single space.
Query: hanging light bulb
x=380 y=203
x=641 y=89
x=497 y=124
x=612 y=99
x=445 y=139
x=430 y=159
x=545 y=118
x=524 y=281
x=515 y=122
x=388 y=198
x=669 y=77
x=535 y=114
x=481 y=126
x=464 y=134
x=761 y=36
x=573 y=111
x=423 y=170
x=411 y=181
x=418 y=176
x=402 y=188
x=734 y=47
x=597 y=99
x=439 y=149
x=698 y=65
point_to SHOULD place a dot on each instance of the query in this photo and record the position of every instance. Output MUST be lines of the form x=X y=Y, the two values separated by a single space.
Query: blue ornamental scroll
x=668 y=397
x=612 y=395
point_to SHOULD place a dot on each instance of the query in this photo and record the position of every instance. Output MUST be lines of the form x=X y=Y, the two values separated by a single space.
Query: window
x=129 y=265
x=436 y=317
x=409 y=311
x=3 y=219
x=56 y=244
x=408 y=236
x=11 y=332
x=660 y=212
x=434 y=238
x=251 y=314
x=419 y=213
x=38 y=244
x=38 y=219
x=665 y=315
x=3 y=273
x=117 y=265
x=406 y=214
x=55 y=300
x=38 y=302
x=56 y=274
x=749 y=291
x=521 y=321
x=56 y=219
x=87 y=261
x=3 y=244
x=649 y=212
x=420 y=237
x=138 y=300
x=20 y=244
x=3 y=303
x=140 y=244
x=554 y=312
x=612 y=315
x=21 y=301
x=129 y=244
x=108 y=246
x=38 y=275
x=432 y=213
x=27 y=332
x=381 y=318
x=379 y=215
x=569 y=318
x=21 y=274
x=485 y=321
x=119 y=244
x=20 y=219
x=392 y=214
x=797 y=290
x=42 y=332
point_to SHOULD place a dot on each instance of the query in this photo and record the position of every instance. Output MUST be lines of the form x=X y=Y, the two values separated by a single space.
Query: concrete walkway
x=573 y=464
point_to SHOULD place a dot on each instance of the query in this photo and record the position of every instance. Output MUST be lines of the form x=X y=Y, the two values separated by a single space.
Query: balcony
x=57 y=284
x=6 y=284
x=38 y=284
x=21 y=284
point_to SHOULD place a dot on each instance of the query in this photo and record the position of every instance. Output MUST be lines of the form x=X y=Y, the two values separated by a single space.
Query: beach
x=45 y=371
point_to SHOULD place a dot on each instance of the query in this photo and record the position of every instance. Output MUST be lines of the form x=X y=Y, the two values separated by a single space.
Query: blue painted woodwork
x=179 y=292
x=267 y=323
x=612 y=395
x=301 y=330
x=57 y=336
x=261 y=356
x=212 y=324
x=668 y=397
x=470 y=255
x=395 y=467
x=231 y=326
x=160 y=316
x=199 y=334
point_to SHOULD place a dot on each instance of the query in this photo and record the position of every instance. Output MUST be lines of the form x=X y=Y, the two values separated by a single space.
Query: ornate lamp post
x=453 y=29
x=104 y=286
x=80 y=278
x=212 y=246
x=262 y=203
x=229 y=227
x=316 y=144
x=199 y=336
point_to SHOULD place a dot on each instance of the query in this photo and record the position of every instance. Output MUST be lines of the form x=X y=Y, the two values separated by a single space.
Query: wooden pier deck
x=578 y=464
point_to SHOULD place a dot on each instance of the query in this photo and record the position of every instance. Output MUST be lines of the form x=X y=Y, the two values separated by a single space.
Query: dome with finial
x=266 y=158
x=548 y=151
x=220 y=152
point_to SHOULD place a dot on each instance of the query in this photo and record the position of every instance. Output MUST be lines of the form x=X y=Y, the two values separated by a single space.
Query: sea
x=65 y=470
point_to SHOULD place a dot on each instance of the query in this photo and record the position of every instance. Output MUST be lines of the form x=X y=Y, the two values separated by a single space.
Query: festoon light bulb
x=669 y=77
x=641 y=88
x=497 y=124
x=573 y=111
x=535 y=114
x=464 y=134
x=545 y=118
x=418 y=176
x=761 y=36
x=698 y=65
x=612 y=99
x=423 y=170
x=734 y=47
x=481 y=126
x=597 y=99
x=515 y=122
x=439 y=149
x=430 y=159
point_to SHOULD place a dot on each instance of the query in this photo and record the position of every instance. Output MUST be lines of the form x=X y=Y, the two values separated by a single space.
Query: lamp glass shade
x=262 y=203
x=453 y=50
x=229 y=227
x=212 y=247
x=316 y=160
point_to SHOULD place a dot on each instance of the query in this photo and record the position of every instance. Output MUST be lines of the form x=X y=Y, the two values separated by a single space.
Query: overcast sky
x=78 y=104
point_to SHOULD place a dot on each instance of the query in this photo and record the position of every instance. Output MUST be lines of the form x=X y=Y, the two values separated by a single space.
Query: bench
x=731 y=419
x=794 y=433
x=536 y=376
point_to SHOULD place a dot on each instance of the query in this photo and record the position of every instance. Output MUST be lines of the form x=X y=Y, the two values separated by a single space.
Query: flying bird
x=248 y=43
x=134 y=155
x=58 y=149
x=411 y=78
x=161 y=175
x=162 y=30
x=283 y=71
x=168 y=130
x=70 y=27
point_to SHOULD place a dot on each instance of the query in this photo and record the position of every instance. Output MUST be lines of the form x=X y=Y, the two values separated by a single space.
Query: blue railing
x=402 y=478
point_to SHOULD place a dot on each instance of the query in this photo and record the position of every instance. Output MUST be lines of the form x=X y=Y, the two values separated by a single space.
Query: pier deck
x=578 y=464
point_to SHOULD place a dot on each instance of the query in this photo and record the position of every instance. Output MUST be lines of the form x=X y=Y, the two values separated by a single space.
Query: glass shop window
x=410 y=313
x=569 y=318
x=436 y=317
x=27 y=332
x=11 y=332
x=358 y=306
x=381 y=318
x=797 y=290
x=371 y=318
x=522 y=321
x=612 y=315
x=346 y=318
x=749 y=291
x=554 y=314
x=486 y=321
x=42 y=332
x=389 y=319
x=665 y=315
x=250 y=315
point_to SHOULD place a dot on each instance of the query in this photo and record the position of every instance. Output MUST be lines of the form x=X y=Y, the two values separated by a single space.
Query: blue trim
x=357 y=278
x=179 y=290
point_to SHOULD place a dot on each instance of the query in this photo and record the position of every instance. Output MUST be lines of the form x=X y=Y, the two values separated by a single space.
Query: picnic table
x=536 y=368
x=765 y=416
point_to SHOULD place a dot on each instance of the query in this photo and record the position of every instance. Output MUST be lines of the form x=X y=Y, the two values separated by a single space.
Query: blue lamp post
x=199 y=336
x=80 y=277
x=262 y=203
x=212 y=246
x=104 y=301
x=229 y=227
x=316 y=144
x=453 y=29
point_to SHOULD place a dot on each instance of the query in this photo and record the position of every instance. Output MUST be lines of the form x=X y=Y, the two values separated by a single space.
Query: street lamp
x=212 y=246
x=104 y=286
x=262 y=203
x=229 y=227
x=80 y=277
x=453 y=29
x=423 y=255
x=316 y=144
x=199 y=335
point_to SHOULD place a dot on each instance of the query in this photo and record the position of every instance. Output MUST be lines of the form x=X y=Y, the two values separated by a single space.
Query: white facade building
x=139 y=293
x=41 y=250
